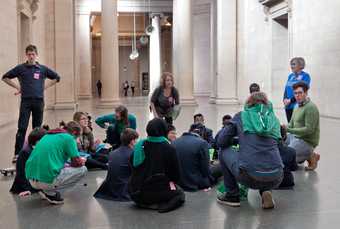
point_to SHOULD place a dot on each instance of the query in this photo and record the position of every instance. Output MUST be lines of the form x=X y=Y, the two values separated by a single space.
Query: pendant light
x=134 y=52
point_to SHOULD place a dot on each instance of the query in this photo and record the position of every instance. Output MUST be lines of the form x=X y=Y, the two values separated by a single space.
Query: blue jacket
x=115 y=186
x=256 y=153
x=293 y=79
x=193 y=157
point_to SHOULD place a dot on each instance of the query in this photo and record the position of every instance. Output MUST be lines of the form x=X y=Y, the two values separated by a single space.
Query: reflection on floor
x=314 y=202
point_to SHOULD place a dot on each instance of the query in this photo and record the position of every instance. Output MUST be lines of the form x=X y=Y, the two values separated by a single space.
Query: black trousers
x=28 y=106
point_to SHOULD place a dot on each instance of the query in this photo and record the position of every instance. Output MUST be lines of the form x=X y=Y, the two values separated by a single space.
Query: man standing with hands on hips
x=31 y=76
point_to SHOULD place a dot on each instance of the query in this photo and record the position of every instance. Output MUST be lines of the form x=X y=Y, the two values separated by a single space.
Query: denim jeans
x=302 y=148
x=229 y=159
x=28 y=105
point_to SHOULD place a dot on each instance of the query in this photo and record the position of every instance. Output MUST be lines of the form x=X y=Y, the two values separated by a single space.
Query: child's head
x=172 y=134
x=73 y=128
x=35 y=135
x=129 y=137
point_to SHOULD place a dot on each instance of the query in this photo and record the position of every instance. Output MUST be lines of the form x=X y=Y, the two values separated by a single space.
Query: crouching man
x=257 y=164
x=47 y=169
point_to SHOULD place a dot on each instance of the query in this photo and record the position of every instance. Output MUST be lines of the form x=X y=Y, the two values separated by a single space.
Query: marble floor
x=313 y=203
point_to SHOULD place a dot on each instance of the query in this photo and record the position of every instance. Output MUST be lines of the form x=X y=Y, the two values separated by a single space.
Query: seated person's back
x=193 y=156
x=114 y=186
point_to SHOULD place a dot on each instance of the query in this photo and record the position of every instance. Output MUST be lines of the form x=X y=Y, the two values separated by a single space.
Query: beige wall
x=8 y=59
x=311 y=34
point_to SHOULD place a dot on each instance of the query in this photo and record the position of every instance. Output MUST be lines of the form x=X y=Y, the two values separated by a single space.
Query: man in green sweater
x=304 y=127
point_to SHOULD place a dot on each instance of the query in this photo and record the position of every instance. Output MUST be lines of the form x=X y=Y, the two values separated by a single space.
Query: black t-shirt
x=162 y=103
x=32 y=79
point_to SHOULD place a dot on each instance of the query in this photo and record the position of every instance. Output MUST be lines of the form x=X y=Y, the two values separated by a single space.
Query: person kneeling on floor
x=257 y=164
x=45 y=168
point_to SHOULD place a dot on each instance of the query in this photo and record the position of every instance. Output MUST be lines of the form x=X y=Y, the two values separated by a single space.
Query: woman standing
x=165 y=99
x=297 y=65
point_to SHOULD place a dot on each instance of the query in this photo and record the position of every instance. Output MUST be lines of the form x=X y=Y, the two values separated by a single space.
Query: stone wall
x=9 y=58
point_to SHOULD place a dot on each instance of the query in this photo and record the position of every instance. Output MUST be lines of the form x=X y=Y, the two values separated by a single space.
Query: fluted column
x=183 y=50
x=109 y=55
x=226 y=78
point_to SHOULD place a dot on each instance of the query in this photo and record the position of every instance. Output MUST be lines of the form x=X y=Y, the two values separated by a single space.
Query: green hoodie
x=261 y=120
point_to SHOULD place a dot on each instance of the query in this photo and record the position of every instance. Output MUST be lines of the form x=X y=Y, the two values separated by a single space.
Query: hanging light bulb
x=149 y=28
x=134 y=52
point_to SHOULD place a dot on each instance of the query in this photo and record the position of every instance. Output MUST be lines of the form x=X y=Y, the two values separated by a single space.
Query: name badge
x=36 y=76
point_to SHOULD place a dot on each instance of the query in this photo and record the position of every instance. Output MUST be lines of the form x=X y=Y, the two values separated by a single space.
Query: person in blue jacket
x=297 y=65
x=116 y=124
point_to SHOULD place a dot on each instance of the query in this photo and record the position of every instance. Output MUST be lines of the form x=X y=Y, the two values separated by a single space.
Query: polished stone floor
x=313 y=203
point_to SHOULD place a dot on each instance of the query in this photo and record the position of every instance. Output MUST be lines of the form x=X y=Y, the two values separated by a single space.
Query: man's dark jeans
x=232 y=174
x=28 y=105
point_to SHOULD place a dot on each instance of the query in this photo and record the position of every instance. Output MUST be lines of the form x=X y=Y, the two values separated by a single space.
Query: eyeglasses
x=298 y=92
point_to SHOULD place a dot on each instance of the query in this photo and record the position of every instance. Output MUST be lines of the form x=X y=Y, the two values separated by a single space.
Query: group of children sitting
x=153 y=172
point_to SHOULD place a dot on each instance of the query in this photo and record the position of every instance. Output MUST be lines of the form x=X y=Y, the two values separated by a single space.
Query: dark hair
x=198 y=115
x=31 y=48
x=171 y=128
x=254 y=87
x=123 y=111
x=127 y=136
x=62 y=124
x=301 y=84
x=46 y=127
x=199 y=129
x=164 y=76
x=73 y=128
x=157 y=127
x=257 y=98
x=228 y=117
x=35 y=135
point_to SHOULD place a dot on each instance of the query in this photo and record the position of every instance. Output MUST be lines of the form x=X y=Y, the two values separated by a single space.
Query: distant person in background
x=254 y=87
x=297 y=65
x=99 y=88
x=126 y=88
x=165 y=99
x=133 y=88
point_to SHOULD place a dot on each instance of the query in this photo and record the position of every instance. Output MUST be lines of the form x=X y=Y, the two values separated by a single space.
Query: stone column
x=64 y=54
x=226 y=79
x=183 y=50
x=155 y=54
x=213 y=41
x=83 y=44
x=109 y=55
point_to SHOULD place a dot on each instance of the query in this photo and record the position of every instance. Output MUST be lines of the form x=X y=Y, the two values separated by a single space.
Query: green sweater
x=305 y=123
